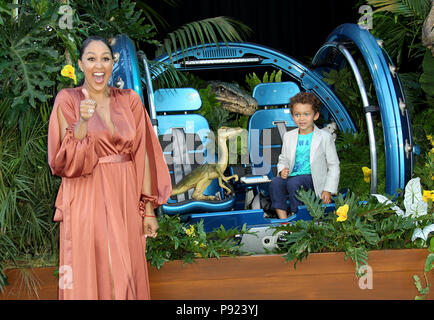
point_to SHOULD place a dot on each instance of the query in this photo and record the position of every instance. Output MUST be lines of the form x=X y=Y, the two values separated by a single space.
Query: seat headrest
x=275 y=93
x=177 y=99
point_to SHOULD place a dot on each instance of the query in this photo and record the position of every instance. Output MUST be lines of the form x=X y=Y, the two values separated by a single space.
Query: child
x=308 y=158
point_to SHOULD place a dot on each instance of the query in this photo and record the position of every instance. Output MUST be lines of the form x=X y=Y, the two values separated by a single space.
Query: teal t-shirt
x=302 y=154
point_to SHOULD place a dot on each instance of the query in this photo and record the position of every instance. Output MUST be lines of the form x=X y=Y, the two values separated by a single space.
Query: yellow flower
x=427 y=194
x=69 y=72
x=189 y=231
x=342 y=213
x=366 y=174
x=429 y=137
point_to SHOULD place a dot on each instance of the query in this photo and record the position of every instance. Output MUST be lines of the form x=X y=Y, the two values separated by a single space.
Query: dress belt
x=114 y=158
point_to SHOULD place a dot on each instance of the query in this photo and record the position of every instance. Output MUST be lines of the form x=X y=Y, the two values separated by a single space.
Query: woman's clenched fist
x=87 y=106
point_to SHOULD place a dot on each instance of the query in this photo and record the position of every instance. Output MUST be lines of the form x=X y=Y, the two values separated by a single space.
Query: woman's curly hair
x=306 y=98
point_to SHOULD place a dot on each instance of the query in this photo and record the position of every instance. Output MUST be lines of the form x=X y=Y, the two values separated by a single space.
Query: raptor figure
x=202 y=176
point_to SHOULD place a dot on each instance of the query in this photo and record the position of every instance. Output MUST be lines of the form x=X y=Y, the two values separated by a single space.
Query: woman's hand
x=87 y=106
x=150 y=225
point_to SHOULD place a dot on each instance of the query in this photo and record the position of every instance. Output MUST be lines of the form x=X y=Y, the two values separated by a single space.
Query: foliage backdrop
x=34 y=47
x=33 y=50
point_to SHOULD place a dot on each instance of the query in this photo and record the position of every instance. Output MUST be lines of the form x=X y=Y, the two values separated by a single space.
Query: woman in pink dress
x=101 y=142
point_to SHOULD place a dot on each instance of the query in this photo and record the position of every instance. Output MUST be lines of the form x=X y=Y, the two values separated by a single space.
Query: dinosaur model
x=202 y=176
x=428 y=30
x=232 y=98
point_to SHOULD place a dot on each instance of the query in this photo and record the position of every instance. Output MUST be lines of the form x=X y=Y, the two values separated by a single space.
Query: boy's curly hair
x=306 y=98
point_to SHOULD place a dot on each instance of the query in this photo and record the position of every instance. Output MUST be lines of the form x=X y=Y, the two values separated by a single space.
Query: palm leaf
x=151 y=14
x=210 y=30
x=399 y=23
x=408 y=8
x=164 y=75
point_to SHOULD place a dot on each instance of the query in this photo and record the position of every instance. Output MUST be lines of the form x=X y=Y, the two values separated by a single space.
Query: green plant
x=180 y=241
x=399 y=23
x=425 y=165
x=427 y=79
x=208 y=30
x=252 y=80
x=353 y=148
x=345 y=86
x=28 y=60
x=27 y=194
x=353 y=152
x=356 y=227
x=429 y=266
x=211 y=110
x=33 y=50
x=108 y=18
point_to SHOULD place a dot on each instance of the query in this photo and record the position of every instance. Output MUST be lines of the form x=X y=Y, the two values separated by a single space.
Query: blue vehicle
x=185 y=135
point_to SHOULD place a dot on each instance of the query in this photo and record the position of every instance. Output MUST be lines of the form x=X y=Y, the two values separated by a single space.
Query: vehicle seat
x=268 y=125
x=184 y=137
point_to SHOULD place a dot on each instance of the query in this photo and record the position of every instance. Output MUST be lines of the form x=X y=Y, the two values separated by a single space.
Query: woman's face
x=97 y=65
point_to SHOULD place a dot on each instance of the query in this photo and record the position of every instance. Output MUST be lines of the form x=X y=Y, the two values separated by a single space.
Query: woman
x=101 y=142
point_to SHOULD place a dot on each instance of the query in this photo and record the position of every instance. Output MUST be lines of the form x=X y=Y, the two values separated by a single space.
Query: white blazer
x=324 y=161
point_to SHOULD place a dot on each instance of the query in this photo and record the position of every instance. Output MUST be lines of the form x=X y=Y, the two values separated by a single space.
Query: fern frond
x=407 y=8
x=210 y=30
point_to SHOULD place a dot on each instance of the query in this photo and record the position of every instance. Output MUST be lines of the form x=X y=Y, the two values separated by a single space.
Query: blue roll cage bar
x=392 y=105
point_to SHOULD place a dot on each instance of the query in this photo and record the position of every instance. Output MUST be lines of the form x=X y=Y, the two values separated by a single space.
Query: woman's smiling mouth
x=99 y=77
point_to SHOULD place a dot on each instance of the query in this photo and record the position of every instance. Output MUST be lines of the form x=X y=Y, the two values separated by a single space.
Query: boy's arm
x=283 y=160
x=333 y=169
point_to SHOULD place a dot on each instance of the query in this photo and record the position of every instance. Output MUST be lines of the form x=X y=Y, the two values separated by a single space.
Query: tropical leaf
x=312 y=202
x=399 y=23
x=164 y=75
x=151 y=14
x=108 y=18
x=210 y=30
x=407 y=8
x=427 y=77
x=413 y=201
x=28 y=61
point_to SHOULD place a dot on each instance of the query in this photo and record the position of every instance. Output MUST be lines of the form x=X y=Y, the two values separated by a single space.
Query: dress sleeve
x=71 y=157
x=146 y=145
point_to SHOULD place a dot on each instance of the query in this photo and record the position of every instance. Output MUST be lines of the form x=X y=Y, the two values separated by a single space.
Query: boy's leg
x=293 y=185
x=278 y=195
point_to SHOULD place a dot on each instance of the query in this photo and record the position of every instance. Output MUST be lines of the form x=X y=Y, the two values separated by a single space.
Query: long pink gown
x=102 y=243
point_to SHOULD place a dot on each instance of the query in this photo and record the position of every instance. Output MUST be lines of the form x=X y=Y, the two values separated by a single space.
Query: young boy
x=308 y=158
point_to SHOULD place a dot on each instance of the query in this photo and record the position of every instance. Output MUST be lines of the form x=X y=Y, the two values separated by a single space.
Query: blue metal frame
x=308 y=80
x=251 y=218
x=127 y=67
x=396 y=125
